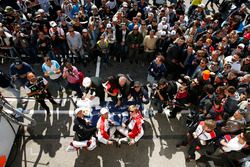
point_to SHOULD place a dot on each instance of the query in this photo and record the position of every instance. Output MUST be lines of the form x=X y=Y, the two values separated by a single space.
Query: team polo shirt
x=54 y=67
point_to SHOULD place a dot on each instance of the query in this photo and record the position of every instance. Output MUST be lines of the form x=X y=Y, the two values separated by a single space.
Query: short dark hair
x=231 y=89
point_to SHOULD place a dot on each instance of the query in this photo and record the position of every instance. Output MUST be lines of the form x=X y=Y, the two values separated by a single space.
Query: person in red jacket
x=134 y=130
x=105 y=132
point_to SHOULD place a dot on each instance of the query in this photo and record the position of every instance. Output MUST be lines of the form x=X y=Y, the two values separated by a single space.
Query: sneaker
x=71 y=148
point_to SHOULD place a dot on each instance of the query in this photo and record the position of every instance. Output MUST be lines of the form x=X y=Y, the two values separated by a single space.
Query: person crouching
x=134 y=130
x=84 y=133
x=105 y=132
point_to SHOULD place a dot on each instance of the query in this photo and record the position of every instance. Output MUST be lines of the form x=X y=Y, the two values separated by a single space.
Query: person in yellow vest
x=103 y=48
x=194 y=5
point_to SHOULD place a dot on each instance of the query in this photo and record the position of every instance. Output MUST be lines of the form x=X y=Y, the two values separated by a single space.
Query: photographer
x=18 y=71
x=44 y=45
x=58 y=39
x=22 y=43
x=160 y=95
x=38 y=88
x=139 y=94
x=71 y=73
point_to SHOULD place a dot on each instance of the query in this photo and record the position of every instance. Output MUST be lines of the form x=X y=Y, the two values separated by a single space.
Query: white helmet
x=86 y=82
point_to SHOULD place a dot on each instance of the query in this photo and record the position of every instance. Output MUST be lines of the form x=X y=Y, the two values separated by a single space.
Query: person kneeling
x=105 y=132
x=134 y=131
x=83 y=131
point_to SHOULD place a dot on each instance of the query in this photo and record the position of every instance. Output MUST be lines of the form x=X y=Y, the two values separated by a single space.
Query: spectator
x=74 y=40
x=51 y=70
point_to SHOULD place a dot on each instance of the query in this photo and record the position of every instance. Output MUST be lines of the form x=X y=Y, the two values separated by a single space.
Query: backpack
x=5 y=80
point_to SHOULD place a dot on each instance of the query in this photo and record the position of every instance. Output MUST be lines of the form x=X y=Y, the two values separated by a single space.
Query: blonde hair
x=133 y=108
x=211 y=124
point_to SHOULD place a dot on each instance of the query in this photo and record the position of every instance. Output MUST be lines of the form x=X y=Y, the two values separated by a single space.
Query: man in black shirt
x=93 y=85
x=37 y=87
x=83 y=131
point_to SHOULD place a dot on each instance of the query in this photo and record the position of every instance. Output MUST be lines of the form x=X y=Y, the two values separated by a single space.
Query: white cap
x=86 y=82
x=163 y=33
x=52 y=24
x=124 y=4
x=241 y=45
x=40 y=11
x=85 y=110
x=104 y=111
x=84 y=30
x=164 y=27
x=173 y=32
x=108 y=25
x=201 y=5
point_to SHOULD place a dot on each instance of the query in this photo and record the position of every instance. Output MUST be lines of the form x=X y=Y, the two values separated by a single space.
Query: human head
x=47 y=60
x=104 y=112
x=31 y=77
x=122 y=81
x=82 y=111
x=209 y=125
x=133 y=110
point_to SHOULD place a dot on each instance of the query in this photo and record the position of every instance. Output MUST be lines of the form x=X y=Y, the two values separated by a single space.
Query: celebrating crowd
x=196 y=59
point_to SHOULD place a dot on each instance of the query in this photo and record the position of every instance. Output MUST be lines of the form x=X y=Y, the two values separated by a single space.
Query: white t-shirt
x=54 y=67
x=233 y=145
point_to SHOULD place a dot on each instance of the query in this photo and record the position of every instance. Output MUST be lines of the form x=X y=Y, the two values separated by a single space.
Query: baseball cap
x=173 y=32
x=53 y=24
x=206 y=75
x=247 y=35
x=104 y=111
x=164 y=27
x=85 y=110
x=18 y=62
x=108 y=25
x=84 y=30
x=8 y=9
x=137 y=83
x=241 y=45
x=39 y=11
x=86 y=82
x=163 y=33
x=201 y=5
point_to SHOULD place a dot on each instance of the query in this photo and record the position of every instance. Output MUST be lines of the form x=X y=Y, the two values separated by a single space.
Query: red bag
x=81 y=76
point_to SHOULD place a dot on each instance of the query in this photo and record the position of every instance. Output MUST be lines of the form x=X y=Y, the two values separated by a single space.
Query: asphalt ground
x=44 y=144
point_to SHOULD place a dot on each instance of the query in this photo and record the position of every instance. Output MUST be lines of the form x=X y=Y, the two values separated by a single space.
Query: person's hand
x=43 y=44
x=123 y=125
x=46 y=74
x=14 y=77
x=203 y=142
x=110 y=142
x=195 y=135
x=92 y=97
x=23 y=76
x=132 y=142
x=118 y=103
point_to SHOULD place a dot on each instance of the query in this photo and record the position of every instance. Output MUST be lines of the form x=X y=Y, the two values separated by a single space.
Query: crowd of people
x=197 y=59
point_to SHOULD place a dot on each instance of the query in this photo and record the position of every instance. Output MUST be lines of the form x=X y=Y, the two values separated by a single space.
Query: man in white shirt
x=234 y=60
x=51 y=69
x=74 y=40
